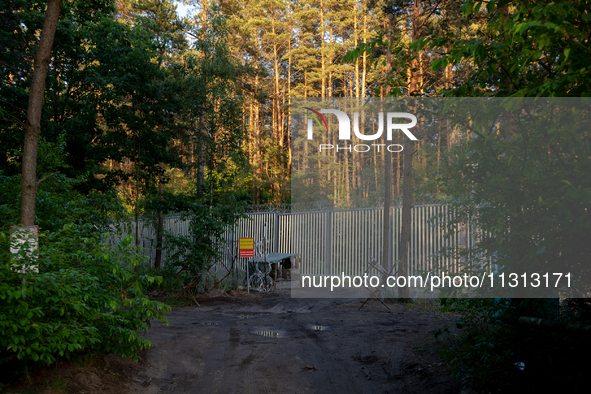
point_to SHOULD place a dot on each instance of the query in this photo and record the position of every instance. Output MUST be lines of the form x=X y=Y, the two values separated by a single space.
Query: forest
x=130 y=109
x=184 y=102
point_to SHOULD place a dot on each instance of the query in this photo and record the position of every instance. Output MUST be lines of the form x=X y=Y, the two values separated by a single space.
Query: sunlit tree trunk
x=289 y=116
x=322 y=54
x=386 y=255
x=364 y=68
x=403 y=292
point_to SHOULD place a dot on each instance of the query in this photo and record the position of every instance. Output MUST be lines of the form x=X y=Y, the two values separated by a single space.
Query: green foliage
x=167 y=272
x=213 y=102
x=528 y=358
x=59 y=384
x=527 y=193
x=482 y=351
x=107 y=98
x=58 y=204
x=84 y=299
x=526 y=185
x=207 y=224
x=528 y=49
x=167 y=27
x=137 y=104
x=69 y=115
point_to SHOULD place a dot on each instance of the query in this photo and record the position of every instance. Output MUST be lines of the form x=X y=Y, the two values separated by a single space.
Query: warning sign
x=246 y=247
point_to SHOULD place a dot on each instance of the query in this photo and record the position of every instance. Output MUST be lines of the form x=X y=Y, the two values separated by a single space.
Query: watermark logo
x=392 y=124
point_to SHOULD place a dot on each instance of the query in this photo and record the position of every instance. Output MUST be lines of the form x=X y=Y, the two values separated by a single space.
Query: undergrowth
x=84 y=298
x=495 y=353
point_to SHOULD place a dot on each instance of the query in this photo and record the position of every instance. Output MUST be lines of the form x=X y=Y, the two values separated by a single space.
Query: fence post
x=390 y=265
x=276 y=234
x=328 y=244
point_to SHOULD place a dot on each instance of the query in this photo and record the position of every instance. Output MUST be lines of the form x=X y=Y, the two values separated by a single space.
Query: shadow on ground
x=272 y=343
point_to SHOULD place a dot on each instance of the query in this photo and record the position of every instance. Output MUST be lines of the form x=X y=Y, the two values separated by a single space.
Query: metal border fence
x=330 y=241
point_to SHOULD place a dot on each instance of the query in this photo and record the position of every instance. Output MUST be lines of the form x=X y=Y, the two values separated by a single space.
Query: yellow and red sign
x=246 y=247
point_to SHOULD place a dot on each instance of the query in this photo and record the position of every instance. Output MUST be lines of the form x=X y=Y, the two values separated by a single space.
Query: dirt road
x=276 y=344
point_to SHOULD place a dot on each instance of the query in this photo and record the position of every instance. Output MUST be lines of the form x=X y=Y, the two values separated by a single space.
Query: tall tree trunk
x=305 y=83
x=257 y=169
x=398 y=169
x=421 y=76
x=358 y=162
x=364 y=68
x=386 y=261
x=347 y=178
x=160 y=229
x=200 y=167
x=403 y=292
x=356 y=27
x=278 y=124
x=322 y=57
x=33 y=123
x=136 y=211
x=201 y=150
x=375 y=154
x=289 y=115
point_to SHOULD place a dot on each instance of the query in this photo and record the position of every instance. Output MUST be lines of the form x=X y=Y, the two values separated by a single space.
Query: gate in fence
x=331 y=242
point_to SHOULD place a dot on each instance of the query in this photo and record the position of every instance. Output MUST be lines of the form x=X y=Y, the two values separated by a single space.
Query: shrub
x=204 y=243
x=529 y=358
x=167 y=272
x=58 y=204
x=85 y=297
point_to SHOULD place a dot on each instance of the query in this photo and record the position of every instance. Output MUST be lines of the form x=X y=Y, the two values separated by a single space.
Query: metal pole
x=265 y=251
x=276 y=235
x=328 y=244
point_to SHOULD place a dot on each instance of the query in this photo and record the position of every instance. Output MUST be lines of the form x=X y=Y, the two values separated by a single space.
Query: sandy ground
x=272 y=343
x=276 y=344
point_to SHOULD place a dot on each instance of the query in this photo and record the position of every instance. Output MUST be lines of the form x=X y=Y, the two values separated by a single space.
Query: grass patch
x=184 y=300
x=84 y=361
x=58 y=384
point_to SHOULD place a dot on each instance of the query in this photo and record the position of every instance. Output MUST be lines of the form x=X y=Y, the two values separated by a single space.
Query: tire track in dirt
x=223 y=375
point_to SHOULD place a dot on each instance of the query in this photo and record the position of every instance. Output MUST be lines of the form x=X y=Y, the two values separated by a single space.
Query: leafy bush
x=206 y=227
x=208 y=220
x=58 y=204
x=529 y=358
x=84 y=298
x=167 y=272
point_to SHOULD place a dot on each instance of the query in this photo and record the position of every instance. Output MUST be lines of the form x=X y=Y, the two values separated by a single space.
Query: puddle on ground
x=164 y=382
x=206 y=323
x=317 y=327
x=270 y=333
